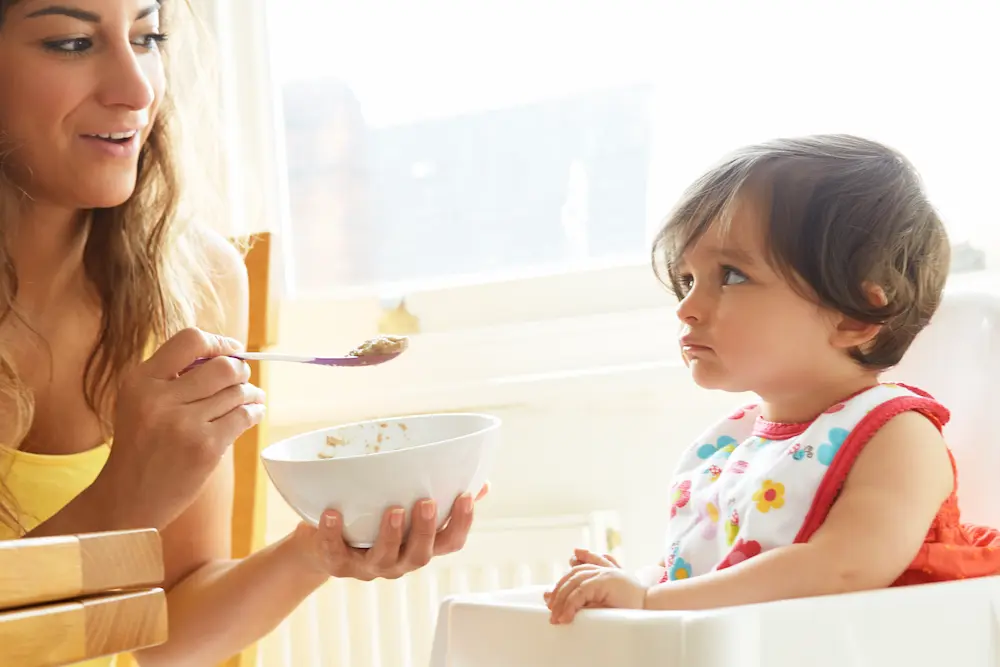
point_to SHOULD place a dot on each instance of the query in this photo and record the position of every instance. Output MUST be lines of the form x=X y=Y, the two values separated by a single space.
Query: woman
x=99 y=268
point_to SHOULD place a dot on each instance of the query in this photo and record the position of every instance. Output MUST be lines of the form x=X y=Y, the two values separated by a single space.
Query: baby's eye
x=684 y=284
x=732 y=276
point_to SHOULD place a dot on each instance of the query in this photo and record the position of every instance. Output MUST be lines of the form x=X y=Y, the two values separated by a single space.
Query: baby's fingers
x=585 y=557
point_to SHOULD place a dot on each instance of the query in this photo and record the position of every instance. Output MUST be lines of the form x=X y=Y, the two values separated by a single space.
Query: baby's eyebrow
x=735 y=255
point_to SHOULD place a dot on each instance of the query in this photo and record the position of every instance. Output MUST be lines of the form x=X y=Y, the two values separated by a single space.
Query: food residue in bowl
x=380 y=345
x=332 y=442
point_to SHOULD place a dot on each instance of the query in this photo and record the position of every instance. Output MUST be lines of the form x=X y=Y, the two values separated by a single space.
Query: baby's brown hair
x=843 y=214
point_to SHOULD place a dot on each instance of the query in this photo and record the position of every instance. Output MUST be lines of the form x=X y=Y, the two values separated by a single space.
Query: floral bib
x=749 y=485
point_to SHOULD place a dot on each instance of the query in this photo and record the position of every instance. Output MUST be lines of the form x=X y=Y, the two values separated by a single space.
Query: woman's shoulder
x=228 y=314
x=223 y=254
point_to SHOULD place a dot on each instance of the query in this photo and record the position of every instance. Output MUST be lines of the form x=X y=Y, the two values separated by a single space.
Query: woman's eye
x=151 y=41
x=75 y=45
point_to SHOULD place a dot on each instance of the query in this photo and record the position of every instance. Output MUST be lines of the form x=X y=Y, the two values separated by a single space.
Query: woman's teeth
x=115 y=136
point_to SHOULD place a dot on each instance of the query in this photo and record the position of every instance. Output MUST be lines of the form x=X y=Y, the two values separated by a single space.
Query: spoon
x=370 y=353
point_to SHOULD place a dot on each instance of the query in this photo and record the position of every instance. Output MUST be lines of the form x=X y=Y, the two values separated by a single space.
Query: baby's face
x=743 y=326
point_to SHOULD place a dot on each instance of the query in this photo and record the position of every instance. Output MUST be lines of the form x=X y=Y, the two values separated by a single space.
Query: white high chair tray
x=955 y=623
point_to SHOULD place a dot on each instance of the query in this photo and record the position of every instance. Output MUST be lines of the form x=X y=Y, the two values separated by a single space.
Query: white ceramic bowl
x=363 y=469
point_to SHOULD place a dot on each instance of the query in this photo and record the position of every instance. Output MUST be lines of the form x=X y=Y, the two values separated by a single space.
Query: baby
x=804 y=269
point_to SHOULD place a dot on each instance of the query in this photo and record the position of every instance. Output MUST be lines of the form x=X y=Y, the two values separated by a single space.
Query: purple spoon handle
x=347 y=361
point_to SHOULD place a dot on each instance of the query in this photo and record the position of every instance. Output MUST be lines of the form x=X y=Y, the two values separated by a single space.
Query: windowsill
x=530 y=363
x=619 y=359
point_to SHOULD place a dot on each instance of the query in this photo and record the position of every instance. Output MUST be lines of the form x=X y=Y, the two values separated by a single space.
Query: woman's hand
x=389 y=558
x=173 y=425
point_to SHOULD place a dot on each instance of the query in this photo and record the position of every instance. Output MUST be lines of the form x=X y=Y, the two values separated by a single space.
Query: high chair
x=956 y=359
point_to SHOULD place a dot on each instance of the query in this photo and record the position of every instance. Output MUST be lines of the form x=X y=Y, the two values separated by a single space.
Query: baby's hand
x=591 y=585
x=584 y=557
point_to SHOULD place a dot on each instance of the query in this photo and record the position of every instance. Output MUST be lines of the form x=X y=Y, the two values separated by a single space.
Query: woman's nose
x=125 y=82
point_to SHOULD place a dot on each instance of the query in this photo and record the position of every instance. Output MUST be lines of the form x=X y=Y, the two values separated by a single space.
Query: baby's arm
x=871 y=535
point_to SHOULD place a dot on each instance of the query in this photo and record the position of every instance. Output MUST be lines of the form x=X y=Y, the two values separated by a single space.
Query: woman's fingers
x=454 y=535
x=210 y=378
x=420 y=542
x=177 y=354
x=227 y=400
x=483 y=491
x=390 y=557
x=382 y=559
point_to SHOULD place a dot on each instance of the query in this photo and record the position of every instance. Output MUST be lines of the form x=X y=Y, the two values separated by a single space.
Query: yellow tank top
x=41 y=485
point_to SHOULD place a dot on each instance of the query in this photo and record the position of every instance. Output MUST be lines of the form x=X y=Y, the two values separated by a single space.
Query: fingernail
x=427 y=510
x=467 y=503
x=396 y=518
x=330 y=520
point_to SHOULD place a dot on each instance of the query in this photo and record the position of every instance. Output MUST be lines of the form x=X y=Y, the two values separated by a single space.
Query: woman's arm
x=217 y=606
x=870 y=537
x=224 y=605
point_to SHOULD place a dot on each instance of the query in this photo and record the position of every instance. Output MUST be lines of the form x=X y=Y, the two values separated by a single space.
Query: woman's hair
x=843 y=215
x=147 y=257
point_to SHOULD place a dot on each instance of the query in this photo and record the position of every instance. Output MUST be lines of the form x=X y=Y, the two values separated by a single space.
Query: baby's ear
x=851 y=333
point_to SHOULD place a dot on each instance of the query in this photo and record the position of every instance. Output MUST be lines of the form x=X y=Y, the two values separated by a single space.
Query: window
x=419 y=154
x=460 y=143
x=498 y=163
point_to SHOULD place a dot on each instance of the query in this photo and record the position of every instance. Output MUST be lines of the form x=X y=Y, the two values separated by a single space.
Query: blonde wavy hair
x=147 y=257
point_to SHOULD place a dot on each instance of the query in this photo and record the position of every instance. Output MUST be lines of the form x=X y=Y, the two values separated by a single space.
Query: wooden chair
x=249 y=503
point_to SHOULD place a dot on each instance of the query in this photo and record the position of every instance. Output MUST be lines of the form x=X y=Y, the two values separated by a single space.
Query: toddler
x=804 y=269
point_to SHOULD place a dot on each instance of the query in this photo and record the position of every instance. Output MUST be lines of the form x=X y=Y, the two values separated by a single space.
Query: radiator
x=391 y=623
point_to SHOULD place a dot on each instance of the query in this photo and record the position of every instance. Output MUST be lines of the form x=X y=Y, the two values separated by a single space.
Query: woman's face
x=80 y=83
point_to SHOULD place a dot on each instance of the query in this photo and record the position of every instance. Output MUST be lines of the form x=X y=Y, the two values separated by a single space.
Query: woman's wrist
x=303 y=549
